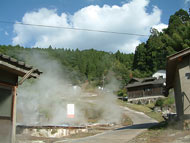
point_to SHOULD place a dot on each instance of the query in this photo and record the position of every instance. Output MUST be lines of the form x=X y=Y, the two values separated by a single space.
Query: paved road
x=140 y=123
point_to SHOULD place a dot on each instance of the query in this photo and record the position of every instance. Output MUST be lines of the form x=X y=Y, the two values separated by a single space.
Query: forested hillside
x=151 y=55
x=94 y=66
x=87 y=65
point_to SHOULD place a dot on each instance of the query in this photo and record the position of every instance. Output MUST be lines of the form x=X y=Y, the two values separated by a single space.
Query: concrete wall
x=182 y=87
x=184 y=70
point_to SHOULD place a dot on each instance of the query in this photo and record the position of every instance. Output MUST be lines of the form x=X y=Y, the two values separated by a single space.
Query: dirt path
x=140 y=123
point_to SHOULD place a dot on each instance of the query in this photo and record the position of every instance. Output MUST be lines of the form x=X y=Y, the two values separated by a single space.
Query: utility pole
x=103 y=81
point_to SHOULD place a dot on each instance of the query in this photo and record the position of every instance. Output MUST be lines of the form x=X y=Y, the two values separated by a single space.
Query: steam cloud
x=43 y=101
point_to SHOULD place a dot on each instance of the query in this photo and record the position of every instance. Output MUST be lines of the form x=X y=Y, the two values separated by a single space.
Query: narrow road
x=122 y=135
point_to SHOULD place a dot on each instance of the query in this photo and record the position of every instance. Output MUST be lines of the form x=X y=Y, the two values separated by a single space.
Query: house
x=178 y=78
x=10 y=70
x=160 y=73
x=145 y=87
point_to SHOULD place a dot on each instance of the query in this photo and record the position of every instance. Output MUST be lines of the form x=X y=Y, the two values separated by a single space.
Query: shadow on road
x=139 y=126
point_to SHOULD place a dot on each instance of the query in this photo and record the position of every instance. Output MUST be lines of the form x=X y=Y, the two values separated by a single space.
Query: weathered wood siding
x=6 y=77
x=143 y=91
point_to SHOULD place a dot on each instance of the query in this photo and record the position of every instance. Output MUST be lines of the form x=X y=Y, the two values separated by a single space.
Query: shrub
x=169 y=101
x=122 y=93
x=165 y=102
x=160 y=102
x=125 y=95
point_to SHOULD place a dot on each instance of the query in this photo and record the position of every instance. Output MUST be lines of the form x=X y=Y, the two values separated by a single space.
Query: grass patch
x=126 y=121
x=140 y=108
x=146 y=109
x=162 y=132
x=148 y=136
x=155 y=115
x=121 y=103
x=151 y=105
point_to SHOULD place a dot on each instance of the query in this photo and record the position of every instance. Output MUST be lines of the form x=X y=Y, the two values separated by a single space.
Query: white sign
x=70 y=110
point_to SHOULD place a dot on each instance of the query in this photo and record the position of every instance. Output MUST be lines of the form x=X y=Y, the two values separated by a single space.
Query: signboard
x=70 y=110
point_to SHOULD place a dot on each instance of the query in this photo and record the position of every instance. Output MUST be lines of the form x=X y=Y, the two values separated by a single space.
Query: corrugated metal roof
x=16 y=66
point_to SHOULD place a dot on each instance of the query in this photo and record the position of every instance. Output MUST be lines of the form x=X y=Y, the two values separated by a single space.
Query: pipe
x=25 y=76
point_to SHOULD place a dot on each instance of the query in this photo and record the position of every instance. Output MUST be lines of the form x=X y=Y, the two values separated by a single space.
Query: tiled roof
x=14 y=65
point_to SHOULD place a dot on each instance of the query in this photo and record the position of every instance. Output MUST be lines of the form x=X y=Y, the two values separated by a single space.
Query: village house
x=178 y=78
x=10 y=70
x=160 y=74
x=145 y=87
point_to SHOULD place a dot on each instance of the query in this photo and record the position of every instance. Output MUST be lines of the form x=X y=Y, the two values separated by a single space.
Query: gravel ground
x=163 y=136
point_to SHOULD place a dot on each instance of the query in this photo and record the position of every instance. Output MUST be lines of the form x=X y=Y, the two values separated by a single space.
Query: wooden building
x=178 y=78
x=10 y=70
x=145 y=87
x=160 y=74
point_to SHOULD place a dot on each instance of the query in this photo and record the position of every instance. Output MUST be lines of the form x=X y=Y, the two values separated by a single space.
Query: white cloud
x=187 y=1
x=187 y=4
x=131 y=17
x=160 y=27
x=6 y=33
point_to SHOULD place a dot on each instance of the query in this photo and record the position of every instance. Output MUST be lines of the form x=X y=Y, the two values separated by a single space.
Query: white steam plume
x=43 y=101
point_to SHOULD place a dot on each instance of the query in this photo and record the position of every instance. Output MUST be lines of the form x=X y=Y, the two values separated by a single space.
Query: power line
x=78 y=29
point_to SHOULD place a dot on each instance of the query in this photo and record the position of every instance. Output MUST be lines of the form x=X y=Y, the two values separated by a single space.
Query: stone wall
x=144 y=100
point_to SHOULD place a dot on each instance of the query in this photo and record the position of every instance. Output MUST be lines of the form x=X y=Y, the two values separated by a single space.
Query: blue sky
x=74 y=10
